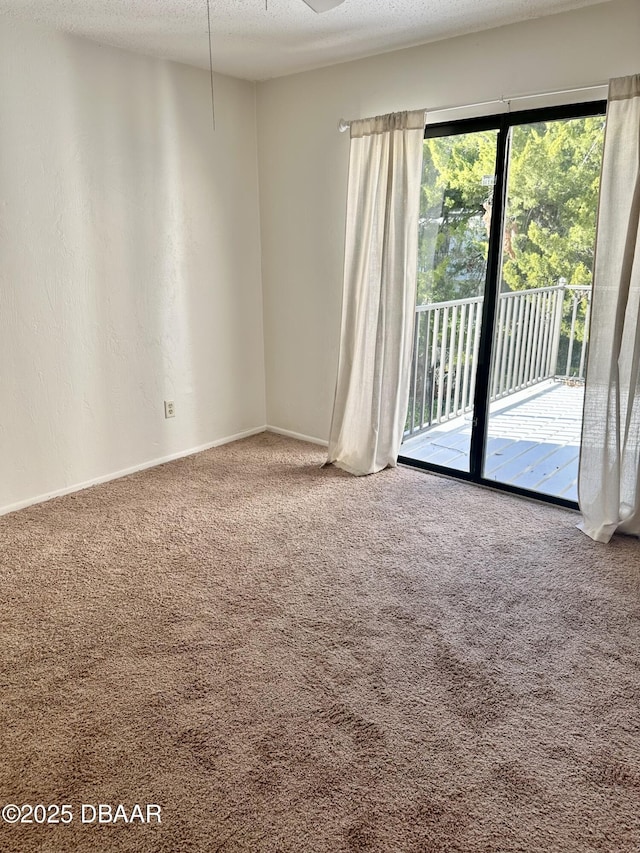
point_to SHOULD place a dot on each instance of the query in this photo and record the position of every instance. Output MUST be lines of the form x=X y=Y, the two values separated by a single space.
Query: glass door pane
x=455 y=217
x=542 y=311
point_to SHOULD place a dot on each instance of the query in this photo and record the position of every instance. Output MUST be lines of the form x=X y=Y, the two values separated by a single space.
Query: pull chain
x=213 y=101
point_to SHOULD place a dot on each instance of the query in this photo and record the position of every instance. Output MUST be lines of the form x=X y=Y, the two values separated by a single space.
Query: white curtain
x=379 y=292
x=609 y=482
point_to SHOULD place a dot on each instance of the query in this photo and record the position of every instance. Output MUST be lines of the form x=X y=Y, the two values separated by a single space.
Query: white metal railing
x=539 y=334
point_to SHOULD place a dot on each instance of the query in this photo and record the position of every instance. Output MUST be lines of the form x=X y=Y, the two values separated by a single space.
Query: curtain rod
x=343 y=124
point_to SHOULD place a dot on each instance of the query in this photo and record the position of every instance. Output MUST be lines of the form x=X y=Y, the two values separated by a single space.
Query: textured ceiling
x=256 y=43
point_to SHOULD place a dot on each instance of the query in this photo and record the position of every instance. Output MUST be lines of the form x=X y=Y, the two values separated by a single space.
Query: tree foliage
x=549 y=228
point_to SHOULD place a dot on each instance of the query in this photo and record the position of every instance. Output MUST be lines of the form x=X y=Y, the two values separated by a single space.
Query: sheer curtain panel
x=379 y=292
x=609 y=481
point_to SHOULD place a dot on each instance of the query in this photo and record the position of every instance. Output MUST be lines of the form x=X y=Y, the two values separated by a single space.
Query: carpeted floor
x=286 y=658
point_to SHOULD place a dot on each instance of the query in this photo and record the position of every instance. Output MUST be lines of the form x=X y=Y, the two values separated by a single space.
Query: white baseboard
x=287 y=432
x=152 y=463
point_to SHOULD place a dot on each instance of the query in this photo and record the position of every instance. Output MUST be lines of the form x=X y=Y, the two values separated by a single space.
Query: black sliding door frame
x=503 y=124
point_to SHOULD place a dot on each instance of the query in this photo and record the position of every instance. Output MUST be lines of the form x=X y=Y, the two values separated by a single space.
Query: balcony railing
x=539 y=334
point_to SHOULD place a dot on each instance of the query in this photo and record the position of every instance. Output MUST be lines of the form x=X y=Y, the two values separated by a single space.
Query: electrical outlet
x=169 y=409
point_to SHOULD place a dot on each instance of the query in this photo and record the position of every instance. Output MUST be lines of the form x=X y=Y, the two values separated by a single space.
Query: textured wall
x=129 y=261
x=303 y=168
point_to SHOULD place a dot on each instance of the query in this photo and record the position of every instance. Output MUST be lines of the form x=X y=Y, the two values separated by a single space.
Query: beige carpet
x=286 y=658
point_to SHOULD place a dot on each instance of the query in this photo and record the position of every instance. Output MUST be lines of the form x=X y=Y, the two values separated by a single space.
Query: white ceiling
x=256 y=43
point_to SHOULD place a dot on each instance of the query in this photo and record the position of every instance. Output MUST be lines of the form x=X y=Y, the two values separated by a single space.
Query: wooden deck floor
x=533 y=440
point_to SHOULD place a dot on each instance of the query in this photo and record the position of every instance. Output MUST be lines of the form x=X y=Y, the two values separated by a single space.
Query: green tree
x=554 y=171
x=453 y=233
x=554 y=176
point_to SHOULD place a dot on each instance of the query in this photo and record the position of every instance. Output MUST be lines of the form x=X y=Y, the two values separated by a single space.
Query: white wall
x=303 y=168
x=129 y=261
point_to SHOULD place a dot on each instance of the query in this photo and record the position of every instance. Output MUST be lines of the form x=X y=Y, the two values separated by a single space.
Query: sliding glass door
x=455 y=225
x=507 y=232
